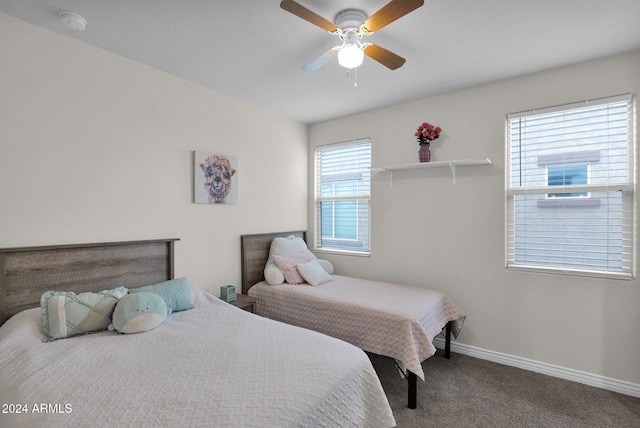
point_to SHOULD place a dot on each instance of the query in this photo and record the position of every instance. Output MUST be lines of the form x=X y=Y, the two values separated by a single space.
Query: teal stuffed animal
x=139 y=312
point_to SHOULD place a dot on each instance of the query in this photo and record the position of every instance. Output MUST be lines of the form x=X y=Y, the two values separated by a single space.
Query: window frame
x=609 y=189
x=332 y=244
x=567 y=195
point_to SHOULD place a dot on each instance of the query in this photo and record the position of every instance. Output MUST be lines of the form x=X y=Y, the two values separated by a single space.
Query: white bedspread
x=397 y=321
x=214 y=366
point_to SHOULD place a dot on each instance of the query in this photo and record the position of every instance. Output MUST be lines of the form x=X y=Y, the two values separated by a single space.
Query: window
x=565 y=175
x=570 y=189
x=343 y=189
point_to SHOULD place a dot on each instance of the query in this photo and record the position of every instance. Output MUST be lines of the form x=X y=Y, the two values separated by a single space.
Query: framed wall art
x=215 y=178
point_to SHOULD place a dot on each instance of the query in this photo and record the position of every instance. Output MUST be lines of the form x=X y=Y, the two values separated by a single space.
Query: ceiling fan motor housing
x=350 y=19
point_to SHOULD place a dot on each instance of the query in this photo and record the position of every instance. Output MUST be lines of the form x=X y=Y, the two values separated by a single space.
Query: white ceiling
x=253 y=50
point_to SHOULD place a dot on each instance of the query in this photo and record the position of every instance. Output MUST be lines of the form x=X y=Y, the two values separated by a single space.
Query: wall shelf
x=452 y=164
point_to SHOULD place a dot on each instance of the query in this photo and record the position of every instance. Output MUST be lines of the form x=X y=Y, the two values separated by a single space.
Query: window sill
x=557 y=270
x=342 y=252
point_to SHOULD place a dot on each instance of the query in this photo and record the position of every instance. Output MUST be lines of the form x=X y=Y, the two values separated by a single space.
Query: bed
x=214 y=365
x=392 y=320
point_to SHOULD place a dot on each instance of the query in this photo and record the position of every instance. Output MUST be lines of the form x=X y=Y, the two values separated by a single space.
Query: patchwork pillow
x=139 y=312
x=288 y=264
x=176 y=293
x=313 y=273
x=66 y=314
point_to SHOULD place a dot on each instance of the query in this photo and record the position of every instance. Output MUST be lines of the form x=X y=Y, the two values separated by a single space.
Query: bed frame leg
x=447 y=341
x=412 y=381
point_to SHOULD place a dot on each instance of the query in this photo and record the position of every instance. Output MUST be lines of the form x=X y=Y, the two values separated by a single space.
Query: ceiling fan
x=350 y=26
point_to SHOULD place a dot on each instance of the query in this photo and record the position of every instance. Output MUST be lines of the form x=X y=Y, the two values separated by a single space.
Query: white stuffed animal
x=283 y=247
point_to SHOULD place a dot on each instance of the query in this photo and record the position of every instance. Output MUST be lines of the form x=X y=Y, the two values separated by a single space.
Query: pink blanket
x=393 y=320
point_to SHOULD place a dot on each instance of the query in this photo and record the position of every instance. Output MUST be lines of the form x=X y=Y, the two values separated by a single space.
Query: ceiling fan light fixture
x=350 y=56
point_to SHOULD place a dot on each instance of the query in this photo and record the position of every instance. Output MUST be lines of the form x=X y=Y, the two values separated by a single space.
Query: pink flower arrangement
x=427 y=133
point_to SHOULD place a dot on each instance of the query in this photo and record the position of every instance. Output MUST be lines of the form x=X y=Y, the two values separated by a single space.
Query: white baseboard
x=610 y=384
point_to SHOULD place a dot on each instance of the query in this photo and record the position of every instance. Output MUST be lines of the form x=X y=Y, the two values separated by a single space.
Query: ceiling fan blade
x=322 y=59
x=384 y=56
x=390 y=12
x=304 y=13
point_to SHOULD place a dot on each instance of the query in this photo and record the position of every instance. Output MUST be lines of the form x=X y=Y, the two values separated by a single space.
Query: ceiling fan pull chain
x=355 y=75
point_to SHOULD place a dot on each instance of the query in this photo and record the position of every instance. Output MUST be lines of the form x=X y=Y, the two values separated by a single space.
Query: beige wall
x=94 y=147
x=428 y=232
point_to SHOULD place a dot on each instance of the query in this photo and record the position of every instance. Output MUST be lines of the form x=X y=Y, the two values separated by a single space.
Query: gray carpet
x=469 y=392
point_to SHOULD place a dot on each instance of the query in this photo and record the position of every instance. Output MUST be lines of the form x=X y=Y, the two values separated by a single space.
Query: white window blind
x=342 y=196
x=570 y=189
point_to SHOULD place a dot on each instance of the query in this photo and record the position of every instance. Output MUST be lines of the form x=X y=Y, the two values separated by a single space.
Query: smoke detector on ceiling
x=73 y=21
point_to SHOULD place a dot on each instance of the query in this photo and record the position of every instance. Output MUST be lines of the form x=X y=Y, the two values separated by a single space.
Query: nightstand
x=245 y=302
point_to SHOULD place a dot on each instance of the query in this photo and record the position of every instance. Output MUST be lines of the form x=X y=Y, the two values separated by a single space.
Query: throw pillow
x=288 y=264
x=66 y=314
x=176 y=293
x=313 y=273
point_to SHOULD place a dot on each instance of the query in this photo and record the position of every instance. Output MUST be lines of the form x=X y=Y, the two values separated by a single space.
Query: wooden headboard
x=27 y=272
x=255 y=252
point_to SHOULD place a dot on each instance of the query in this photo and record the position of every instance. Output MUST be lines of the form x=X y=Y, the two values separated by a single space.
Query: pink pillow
x=288 y=264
